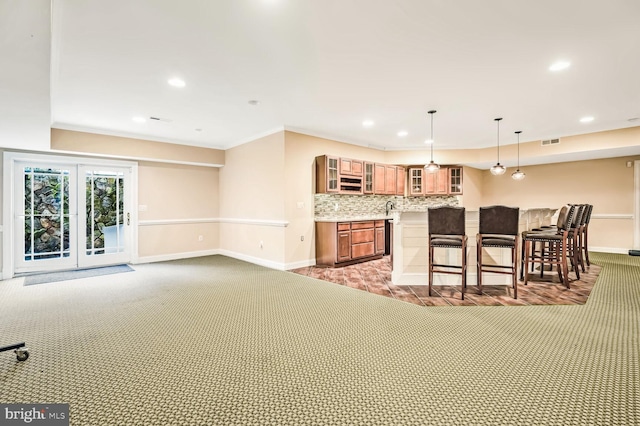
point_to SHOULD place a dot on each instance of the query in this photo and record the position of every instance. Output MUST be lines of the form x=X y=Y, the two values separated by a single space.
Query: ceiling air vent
x=550 y=142
x=165 y=120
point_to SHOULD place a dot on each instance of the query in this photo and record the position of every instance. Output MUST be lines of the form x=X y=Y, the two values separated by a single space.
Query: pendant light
x=498 y=169
x=432 y=167
x=518 y=175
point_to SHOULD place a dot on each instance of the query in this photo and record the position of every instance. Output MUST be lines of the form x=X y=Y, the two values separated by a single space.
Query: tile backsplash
x=346 y=206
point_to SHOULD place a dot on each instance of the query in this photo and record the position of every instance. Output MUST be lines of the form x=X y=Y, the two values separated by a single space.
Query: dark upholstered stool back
x=565 y=217
x=500 y=220
x=588 y=215
x=580 y=210
x=446 y=221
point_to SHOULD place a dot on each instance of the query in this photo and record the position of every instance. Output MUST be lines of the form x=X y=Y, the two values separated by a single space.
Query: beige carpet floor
x=217 y=341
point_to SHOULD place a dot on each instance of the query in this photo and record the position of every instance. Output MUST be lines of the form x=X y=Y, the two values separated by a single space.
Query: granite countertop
x=353 y=218
x=393 y=215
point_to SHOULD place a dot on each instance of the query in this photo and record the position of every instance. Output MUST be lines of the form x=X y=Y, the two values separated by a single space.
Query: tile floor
x=375 y=277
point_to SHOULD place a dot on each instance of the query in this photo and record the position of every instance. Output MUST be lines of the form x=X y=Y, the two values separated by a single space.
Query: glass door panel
x=45 y=218
x=105 y=200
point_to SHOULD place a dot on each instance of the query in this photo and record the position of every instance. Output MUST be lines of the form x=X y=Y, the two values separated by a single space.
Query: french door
x=70 y=216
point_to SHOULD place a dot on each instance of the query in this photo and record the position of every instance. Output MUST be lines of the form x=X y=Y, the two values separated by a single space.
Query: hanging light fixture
x=498 y=169
x=518 y=175
x=432 y=167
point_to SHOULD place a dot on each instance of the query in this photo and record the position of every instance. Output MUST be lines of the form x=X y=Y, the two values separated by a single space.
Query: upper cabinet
x=350 y=167
x=401 y=179
x=326 y=174
x=348 y=176
x=389 y=179
x=446 y=181
x=455 y=180
x=368 y=178
x=436 y=183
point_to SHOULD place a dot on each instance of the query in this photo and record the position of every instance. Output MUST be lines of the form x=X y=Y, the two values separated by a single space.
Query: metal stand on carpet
x=22 y=353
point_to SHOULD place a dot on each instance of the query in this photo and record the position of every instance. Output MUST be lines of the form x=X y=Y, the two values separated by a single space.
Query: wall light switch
x=142 y=208
x=301 y=204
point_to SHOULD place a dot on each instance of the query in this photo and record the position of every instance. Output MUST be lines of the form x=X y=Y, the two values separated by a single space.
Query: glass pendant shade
x=518 y=175
x=432 y=167
x=498 y=169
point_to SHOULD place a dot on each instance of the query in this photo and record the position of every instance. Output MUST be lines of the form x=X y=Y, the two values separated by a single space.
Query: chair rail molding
x=258 y=222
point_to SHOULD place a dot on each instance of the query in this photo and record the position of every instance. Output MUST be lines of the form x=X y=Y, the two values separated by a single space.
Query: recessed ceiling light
x=559 y=66
x=368 y=123
x=429 y=141
x=587 y=119
x=254 y=102
x=139 y=119
x=402 y=133
x=198 y=130
x=176 y=82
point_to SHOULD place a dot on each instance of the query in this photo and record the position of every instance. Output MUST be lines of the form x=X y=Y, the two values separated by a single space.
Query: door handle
x=128 y=218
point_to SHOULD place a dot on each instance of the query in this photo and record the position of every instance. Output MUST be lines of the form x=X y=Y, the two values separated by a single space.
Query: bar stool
x=498 y=228
x=575 y=235
x=447 y=230
x=557 y=246
x=584 y=236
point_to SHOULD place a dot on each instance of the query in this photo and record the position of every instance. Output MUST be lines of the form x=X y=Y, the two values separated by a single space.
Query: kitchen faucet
x=388 y=207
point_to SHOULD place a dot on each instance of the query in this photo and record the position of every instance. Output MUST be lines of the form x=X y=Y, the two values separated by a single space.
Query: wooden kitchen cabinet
x=446 y=181
x=368 y=178
x=401 y=178
x=344 y=246
x=390 y=180
x=455 y=180
x=351 y=167
x=416 y=181
x=379 y=237
x=436 y=183
x=326 y=174
x=344 y=243
x=379 y=178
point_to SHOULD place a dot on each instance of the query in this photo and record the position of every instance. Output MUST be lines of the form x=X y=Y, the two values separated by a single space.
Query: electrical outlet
x=261 y=244
x=301 y=237
x=335 y=207
x=200 y=237
x=300 y=204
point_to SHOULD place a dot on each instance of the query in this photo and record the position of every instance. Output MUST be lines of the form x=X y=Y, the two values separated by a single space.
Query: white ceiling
x=324 y=66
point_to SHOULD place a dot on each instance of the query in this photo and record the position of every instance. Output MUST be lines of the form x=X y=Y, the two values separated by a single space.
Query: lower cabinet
x=343 y=243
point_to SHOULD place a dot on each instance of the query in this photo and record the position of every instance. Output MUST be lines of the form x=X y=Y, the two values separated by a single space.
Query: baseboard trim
x=613 y=250
x=175 y=256
x=240 y=256
x=251 y=259
x=300 y=264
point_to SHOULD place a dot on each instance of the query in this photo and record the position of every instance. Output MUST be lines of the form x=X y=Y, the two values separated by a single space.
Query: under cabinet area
x=344 y=243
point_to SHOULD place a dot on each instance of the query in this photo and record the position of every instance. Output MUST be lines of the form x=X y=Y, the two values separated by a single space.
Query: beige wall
x=608 y=184
x=135 y=149
x=472 y=187
x=179 y=204
x=252 y=193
